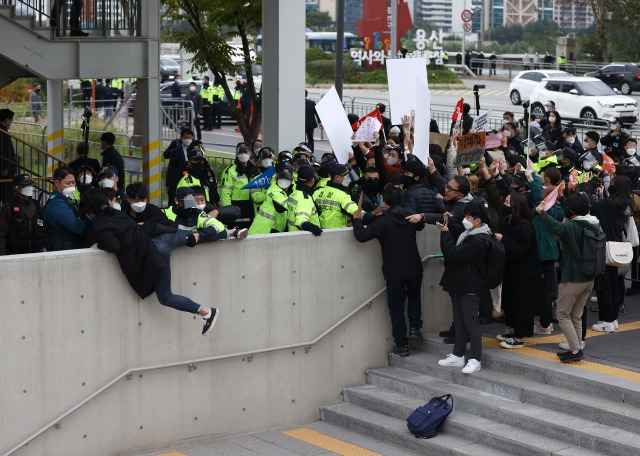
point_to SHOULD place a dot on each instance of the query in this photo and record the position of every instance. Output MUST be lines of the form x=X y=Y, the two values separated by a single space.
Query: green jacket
x=548 y=248
x=570 y=234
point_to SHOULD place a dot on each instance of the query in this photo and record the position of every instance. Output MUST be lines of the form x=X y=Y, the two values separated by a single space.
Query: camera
x=87 y=113
x=477 y=87
x=526 y=104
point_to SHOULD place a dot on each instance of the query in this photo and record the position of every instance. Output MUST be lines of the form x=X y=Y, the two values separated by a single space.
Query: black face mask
x=567 y=213
x=505 y=210
x=407 y=181
x=198 y=166
x=371 y=186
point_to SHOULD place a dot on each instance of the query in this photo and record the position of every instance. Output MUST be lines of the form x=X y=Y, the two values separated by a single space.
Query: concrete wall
x=71 y=323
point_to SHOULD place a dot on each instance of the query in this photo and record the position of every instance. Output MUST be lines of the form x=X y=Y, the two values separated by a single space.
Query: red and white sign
x=467 y=15
x=466 y=27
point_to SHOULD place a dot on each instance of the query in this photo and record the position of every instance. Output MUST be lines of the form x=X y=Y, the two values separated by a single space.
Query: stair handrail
x=249 y=354
x=34 y=147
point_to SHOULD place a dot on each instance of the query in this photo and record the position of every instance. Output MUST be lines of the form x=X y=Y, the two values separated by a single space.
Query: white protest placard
x=367 y=129
x=402 y=91
x=481 y=122
x=422 y=121
x=335 y=123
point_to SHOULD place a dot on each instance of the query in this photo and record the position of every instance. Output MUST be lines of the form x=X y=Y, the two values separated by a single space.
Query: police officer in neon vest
x=198 y=172
x=334 y=201
x=272 y=215
x=206 y=92
x=22 y=220
x=234 y=177
x=301 y=209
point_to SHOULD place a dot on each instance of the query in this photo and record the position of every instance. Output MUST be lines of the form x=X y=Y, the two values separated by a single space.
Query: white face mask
x=139 y=207
x=266 y=163
x=243 y=158
x=504 y=122
x=107 y=183
x=467 y=224
x=187 y=142
x=392 y=161
x=507 y=133
x=27 y=191
x=117 y=207
x=571 y=140
x=86 y=179
x=552 y=118
x=284 y=183
x=192 y=89
x=201 y=206
x=69 y=191
x=631 y=152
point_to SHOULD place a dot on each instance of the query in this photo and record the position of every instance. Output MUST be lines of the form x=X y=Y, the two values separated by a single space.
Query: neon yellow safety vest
x=231 y=185
x=190 y=181
x=218 y=91
x=334 y=205
x=207 y=94
x=204 y=221
x=544 y=162
x=267 y=217
x=300 y=209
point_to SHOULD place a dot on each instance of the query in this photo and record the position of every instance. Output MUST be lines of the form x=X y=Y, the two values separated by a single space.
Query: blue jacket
x=66 y=228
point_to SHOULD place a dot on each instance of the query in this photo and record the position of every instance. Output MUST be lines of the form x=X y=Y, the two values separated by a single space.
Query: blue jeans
x=166 y=243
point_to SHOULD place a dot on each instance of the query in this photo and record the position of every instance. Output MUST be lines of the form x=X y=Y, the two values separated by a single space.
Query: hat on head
x=569 y=153
x=306 y=173
x=303 y=147
x=23 y=179
x=327 y=157
x=108 y=170
x=285 y=174
x=351 y=117
x=395 y=130
x=285 y=155
x=183 y=192
x=549 y=104
x=266 y=152
x=338 y=170
x=243 y=149
x=194 y=152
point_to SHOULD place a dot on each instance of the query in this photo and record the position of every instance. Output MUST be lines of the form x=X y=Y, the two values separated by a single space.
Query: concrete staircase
x=516 y=405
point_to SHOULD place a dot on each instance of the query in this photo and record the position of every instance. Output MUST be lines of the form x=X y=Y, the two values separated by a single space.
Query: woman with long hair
x=522 y=280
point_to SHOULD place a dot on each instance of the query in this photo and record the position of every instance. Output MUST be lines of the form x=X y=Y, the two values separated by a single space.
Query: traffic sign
x=467 y=26
x=467 y=15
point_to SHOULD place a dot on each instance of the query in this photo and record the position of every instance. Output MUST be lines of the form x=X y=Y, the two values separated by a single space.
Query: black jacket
x=22 y=227
x=419 y=199
x=8 y=159
x=464 y=264
x=81 y=161
x=400 y=256
x=139 y=258
x=311 y=118
x=196 y=99
x=112 y=157
x=153 y=220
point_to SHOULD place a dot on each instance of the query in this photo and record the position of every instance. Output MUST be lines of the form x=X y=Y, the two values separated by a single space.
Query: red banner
x=375 y=114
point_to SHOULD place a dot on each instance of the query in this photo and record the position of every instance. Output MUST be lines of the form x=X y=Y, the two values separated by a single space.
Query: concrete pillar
x=55 y=125
x=283 y=73
x=148 y=98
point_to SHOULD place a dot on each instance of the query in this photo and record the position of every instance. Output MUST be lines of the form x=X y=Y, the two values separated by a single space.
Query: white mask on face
x=107 y=183
x=467 y=224
x=187 y=142
x=243 y=158
x=631 y=152
x=86 y=179
x=571 y=140
x=505 y=121
x=69 y=191
x=117 y=207
x=392 y=161
x=201 y=206
x=27 y=191
x=139 y=207
x=284 y=183
x=266 y=163
x=507 y=133
x=192 y=89
x=552 y=118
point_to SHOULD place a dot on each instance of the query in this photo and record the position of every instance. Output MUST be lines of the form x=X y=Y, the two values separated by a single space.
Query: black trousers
x=217 y=118
x=76 y=11
x=465 y=317
x=397 y=293
x=309 y=134
x=207 y=114
x=607 y=288
x=548 y=279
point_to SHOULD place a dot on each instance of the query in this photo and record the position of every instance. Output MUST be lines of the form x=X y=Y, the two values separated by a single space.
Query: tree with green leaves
x=212 y=25
x=319 y=20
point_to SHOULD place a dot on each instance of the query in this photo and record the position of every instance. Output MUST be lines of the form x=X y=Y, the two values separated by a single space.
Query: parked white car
x=525 y=81
x=583 y=98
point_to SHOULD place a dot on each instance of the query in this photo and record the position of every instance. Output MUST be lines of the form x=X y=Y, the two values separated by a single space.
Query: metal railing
x=98 y=17
x=128 y=374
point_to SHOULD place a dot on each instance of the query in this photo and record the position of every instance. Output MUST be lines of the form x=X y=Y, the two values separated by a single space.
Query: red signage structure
x=375 y=25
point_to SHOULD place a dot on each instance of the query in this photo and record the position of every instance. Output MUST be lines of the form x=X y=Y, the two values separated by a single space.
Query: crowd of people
x=385 y=193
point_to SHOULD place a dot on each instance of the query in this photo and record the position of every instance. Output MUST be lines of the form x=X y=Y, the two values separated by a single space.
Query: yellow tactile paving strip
x=328 y=443
x=175 y=453
x=591 y=366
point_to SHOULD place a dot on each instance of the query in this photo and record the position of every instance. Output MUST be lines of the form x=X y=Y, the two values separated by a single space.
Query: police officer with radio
x=22 y=220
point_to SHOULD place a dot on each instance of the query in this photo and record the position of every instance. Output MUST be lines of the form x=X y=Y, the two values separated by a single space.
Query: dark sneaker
x=415 y=334
x=572 y=357
x=76 y=32
x=449 y=340
x=448 y=333
x=563 y=354
x=505 y=335
x=622 y=310
x=512 y=343
x=207 y=323
x=401 y=351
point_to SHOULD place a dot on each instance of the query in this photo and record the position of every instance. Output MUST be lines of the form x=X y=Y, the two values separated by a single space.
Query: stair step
x=523 y=389
x=504 y=437
x=540 y=370
x=394 y=430
x=571 y=429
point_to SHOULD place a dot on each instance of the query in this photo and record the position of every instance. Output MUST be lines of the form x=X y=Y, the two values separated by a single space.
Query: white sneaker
x=604 y=326
x=452 y=360
x=472 y=366
x=565 y=345
x=539 y=329
x=593 y=299
x=615 y=324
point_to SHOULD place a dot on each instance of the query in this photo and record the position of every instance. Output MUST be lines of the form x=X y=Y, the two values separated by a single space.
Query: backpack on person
x=594 y=256
x=425 y=421
x=495 y=259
